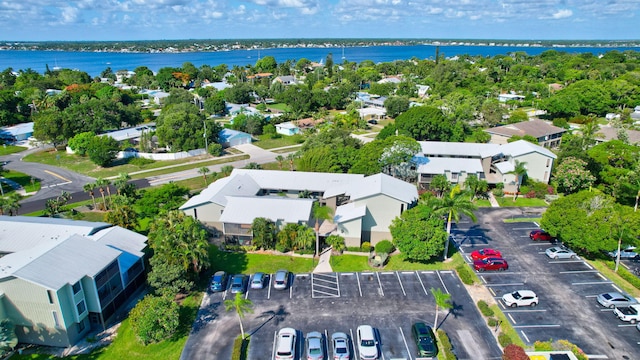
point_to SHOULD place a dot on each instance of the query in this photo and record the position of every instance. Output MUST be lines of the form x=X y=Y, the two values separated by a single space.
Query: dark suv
x=218 y=282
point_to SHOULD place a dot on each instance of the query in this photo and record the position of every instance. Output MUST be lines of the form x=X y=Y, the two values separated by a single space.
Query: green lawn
x=23 y=179
x=482 y=203
x=266 y=142
x=521 y=201
x=11 y=149
x=188 y=166
x=236 y=263
x=279 y=106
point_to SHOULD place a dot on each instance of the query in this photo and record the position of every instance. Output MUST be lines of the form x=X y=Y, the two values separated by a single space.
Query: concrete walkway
x=324 y=265
x=492 y=200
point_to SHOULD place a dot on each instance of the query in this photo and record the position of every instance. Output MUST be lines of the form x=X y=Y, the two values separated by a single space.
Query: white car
x=520 y=298
x=630 y=252
x=340 y=346
x=367 y=343
x=558 y=252
x=286 y=344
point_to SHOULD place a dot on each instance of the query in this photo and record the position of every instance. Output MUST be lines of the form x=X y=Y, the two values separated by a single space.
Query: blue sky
x=41 y=20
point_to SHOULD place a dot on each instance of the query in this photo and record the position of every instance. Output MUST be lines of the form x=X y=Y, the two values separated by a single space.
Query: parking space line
x=346 y=273
x=442 y=282
x=523 y=310
x=615 y=287
x=422 y=284
x=387 y=273
x=512 y=320
x=527 y=228
x=564 y=261
x=483 y=279
x=535 y=326
x=338 y=285
x=427 y=272
x=524 y=335
x=592 y=283
x=359 y=287
x=446 y=272
x=246 y=293
x=380 y=291
x=595 y=356
x=405 y=343
x=273 y=350
x=505 y=284
x=589 y=296
x=290 y=292
x=269 y=291
x=577 y=271
x=606 y=309
x=492 y=292
x=626 y=325
x=587 y=264
x=401 y=286
x=602 y=276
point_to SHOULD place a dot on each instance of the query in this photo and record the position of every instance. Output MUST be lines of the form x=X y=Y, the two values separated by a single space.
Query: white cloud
x=561 y=14
x=69 y=15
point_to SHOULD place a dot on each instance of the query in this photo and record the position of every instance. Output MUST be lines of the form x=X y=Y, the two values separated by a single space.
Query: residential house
x=363 y=206
x=608 y=133
x=509 y=97
x=287 y=129
x=423 y=91
x=157 y=96
x=230 y=138
x=19 y=132
x=132 y=134
x=390 y=80
x=635 y=115
x=285 y=80
x=60 y=278
x=490 y=162
x=548 y=135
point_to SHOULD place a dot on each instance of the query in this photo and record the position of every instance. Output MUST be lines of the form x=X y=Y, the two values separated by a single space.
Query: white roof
x=523 y=147
x=440 y=165
x=348 y=212
x=297 y=180
x=287 y=125
x=383 y=184
x=243 y=210
x=505 y=167
x=130 y=133
x=237 y=184
x=122 y=239
x=64 y=263
x=372 y=111
x=19 y=233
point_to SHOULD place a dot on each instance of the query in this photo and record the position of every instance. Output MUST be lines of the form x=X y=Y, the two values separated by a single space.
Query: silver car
x=315 y=346
x=281 y=279
x=614 y=299
x=558 y=252
x=258 y=280
x=340 y=343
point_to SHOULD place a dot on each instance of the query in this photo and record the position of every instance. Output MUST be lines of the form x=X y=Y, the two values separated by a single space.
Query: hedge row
x=465 y=274
x=485 y=309
x=445 y=345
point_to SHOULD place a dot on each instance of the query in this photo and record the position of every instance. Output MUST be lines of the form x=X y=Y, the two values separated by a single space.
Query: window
x=81 y=326
x=77 y=287
x=56 y=320
x=548 y=162
x=81 y=307
x=454 y=176
x=50 y=295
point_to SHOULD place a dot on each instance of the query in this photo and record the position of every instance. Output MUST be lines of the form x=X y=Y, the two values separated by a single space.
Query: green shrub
x=445 y=345
x=282 y=247
x=514 y=352
x=154 y=319
x=465 y=274
x=216 y=150
x=336 y=242
x=140 y=161
x=385 y=246
x=366 y=246
x=498 y=192
x=492 y=321
x=629 y=277
x=305 y=251
x=485 y=309
x=542 y=346
x=240 y=348
x=356 y=249
x=504 y=340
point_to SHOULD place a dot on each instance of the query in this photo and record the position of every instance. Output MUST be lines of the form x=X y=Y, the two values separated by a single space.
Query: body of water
x=95 y=62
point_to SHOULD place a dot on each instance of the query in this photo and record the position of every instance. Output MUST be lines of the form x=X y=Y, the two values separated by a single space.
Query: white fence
x=163 y=156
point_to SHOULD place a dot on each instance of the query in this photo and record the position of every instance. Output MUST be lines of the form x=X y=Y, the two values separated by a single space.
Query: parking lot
x=339 y=302
x=566 y=289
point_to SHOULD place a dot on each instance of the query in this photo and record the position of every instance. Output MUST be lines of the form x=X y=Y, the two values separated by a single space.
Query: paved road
x=54 y=179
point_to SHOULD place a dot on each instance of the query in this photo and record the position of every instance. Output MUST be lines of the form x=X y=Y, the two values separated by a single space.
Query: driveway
x=329 y=302
x=566 y=288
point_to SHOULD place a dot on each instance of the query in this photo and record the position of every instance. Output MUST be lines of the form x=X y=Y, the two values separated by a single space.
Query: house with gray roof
x=490 y=162
x=548 y=135
x=61 y=278
x=363 y=206
x=608 y=133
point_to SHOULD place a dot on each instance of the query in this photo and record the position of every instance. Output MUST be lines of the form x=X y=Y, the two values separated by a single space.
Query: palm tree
x=280 y=160
x=320 y=212
x=226 y=170
x=291 y=157
x=100 y=183
x=10 y=204
x=89 y=189
x=241 y=306
x=204 y=171
x=121 y=181
x=442 y=301
x=520 y=171
x=458 y=202
x=440 y=184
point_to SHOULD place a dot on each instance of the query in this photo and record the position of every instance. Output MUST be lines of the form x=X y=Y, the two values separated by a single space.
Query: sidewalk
x=324 y=265
x=492 y=200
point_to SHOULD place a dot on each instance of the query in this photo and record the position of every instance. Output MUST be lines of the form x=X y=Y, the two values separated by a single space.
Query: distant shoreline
x=192 y=45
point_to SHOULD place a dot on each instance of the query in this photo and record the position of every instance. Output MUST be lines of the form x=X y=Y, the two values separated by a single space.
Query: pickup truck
x=629 y=313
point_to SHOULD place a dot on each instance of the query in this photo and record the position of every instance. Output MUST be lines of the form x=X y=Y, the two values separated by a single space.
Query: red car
x=485 y=253
x=540 y=235
x=490 y=264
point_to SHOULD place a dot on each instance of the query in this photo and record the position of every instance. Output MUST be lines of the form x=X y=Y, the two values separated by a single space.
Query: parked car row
x=366 y=344
x=488 y=259
x=238 y=283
